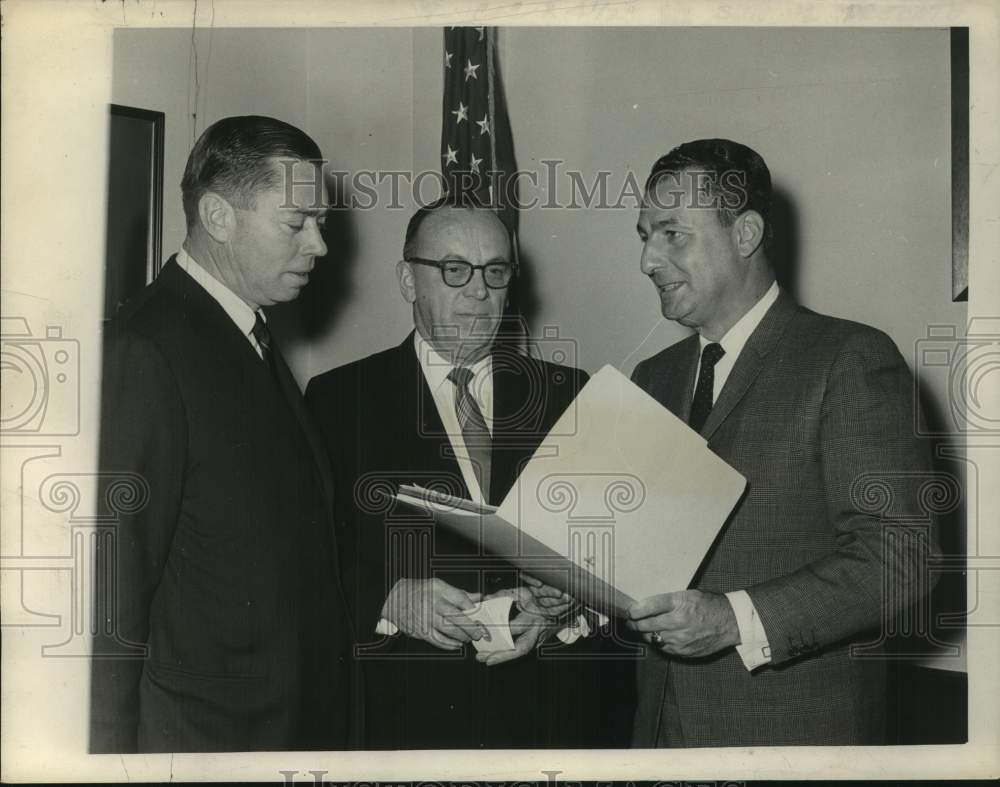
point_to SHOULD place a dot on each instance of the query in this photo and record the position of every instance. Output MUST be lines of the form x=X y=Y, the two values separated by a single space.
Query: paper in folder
x=621 y=500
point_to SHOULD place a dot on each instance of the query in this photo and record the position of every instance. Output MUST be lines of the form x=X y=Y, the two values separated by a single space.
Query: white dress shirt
x=754 y=648
x=238 y=310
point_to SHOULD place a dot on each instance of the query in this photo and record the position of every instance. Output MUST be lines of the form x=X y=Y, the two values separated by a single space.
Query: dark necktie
x=263 y=337
x=701 y=405
x=478 y=442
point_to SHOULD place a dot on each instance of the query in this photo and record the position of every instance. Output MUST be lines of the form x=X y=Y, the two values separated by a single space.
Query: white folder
x=621 y=501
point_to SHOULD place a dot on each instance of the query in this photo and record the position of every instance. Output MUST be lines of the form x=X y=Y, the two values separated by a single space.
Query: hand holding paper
x=510 y=639
x=688 y=623
x=548 y=600
x=529 y=631
x=493 y=613
x=433 y=610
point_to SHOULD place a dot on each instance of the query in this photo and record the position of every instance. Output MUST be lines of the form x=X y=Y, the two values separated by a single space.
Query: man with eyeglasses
x=454 y=409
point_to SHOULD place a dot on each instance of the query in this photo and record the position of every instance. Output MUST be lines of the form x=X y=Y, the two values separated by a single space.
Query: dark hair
x=233 y=158
x=449 y=200
x=737 y=179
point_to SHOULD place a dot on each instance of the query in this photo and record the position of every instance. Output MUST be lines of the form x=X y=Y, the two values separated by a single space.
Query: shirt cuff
x=754 y=648
x=386 y=627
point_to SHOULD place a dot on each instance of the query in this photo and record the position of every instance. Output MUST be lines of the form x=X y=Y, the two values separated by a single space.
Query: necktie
x=478 y=442
x=263 y=337
x=701 y=405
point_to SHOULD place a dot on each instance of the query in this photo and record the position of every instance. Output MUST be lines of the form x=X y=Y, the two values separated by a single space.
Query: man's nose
x=650 y=259
x=313 y=244
x=476 y=286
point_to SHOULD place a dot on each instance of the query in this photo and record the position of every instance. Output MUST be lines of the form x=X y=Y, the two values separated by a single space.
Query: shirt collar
x=737 y=336
x=237 y=309
x=436 y=368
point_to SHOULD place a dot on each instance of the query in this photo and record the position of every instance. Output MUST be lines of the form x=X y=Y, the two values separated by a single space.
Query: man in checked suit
x=815 y=412
x=221 y=620
x=448 y=407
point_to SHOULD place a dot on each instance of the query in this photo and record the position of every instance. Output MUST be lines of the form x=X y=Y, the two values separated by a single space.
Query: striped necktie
x=478 y=442
x=263 y=337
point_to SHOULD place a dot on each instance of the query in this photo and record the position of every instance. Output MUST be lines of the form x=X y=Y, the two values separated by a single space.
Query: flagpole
x=520 y=336
x=490 y=43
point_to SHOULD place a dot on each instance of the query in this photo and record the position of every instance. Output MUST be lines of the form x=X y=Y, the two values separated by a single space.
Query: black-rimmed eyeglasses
x=458 y=273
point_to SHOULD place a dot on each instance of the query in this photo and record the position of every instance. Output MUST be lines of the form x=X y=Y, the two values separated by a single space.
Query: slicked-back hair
x=736 y=179
x=233 y=158
x=448 y=200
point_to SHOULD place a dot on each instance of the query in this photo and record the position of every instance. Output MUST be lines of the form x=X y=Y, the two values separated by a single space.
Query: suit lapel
x=198 y=302
x=751 y=361
x=417 y=392
x=293 y=396
x=512 y=425
x=418 y=410
x=673 y=384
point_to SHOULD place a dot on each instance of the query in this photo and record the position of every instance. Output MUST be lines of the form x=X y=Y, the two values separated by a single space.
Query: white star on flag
x=484 y=125
x=447 y=59
x=481 y=32
x=470 y=70
x=450 y=157
x=475 y=163
x=462 y=113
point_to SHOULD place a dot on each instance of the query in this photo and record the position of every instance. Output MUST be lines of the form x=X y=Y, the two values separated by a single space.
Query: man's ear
x=748 y=231
x=217 y=216
x=404 y=271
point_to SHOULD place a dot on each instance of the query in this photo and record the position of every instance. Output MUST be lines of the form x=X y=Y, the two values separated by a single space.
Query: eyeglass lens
x=458 y=274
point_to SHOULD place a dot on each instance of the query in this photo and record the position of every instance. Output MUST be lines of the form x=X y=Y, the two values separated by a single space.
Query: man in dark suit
x=450 y=408
x=222 y=625
x=817 y=413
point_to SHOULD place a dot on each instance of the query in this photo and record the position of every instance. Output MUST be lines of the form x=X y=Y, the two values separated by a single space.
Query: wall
x=368 y=102
x=239 y=72
x=853 y=123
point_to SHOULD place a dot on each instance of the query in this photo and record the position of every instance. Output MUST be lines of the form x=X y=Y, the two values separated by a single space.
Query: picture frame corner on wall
x=959 y=163
x=135 y=202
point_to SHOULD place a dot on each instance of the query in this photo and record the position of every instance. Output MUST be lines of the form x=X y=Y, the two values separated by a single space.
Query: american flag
x=477 y=149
